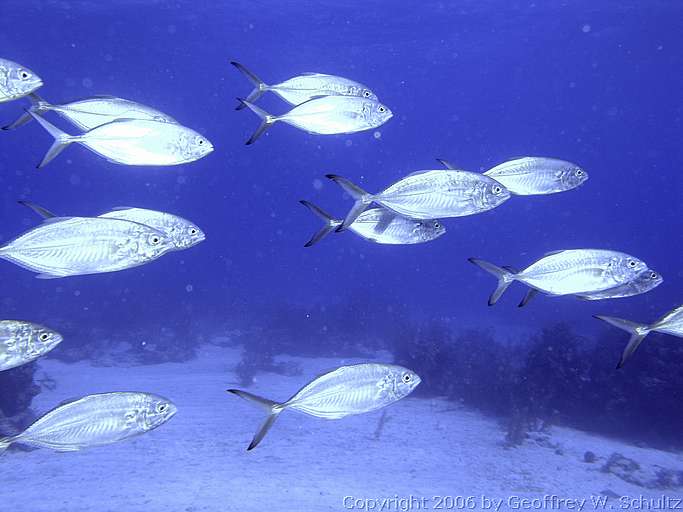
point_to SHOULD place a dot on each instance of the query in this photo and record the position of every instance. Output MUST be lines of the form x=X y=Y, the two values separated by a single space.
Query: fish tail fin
x=43 y=212
x=38 y=105
x=637 y=331
x=272 y=408
x=259 y=85
x=62 y=139
x=505 y=277
x=330 y=223
x=361 y=197
x=266 y=120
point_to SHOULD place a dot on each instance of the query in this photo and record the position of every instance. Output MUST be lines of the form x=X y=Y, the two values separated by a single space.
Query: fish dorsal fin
x=417 y=173
x=445 y=163
x=385 y=220
x=105 y=97
x=553 y=253
x=120 y=208
x=310 y=73
x=43 y=212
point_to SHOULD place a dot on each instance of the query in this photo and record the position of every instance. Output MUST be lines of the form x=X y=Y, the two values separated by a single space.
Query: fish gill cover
x=176 y=264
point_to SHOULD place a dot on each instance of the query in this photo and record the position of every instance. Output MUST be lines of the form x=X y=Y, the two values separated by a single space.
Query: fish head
x=43 y=340
x=155 y=410
x=427 y=230
x=17 y=80
x=191 y=145
x=368 y=94
x=571 y=176
x=153 y=243
x=490 y=194
x=379 y=114
x=646 y=280
x=625 y=268
x=185 y=234
x=405 y=380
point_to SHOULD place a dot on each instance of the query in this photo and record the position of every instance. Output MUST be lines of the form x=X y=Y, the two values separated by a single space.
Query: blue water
x=473 y=82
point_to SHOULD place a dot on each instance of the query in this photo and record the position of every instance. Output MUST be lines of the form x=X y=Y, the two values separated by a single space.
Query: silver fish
x=569 y=272
x=348 y=390
x=183 y=233
x=300 y=89
x=644 y=282
x=429 y=195
x=327 y=116
x=16 y=81
x=671 y=323
x=23 y=342
x=95 y=420
x=133 y=142
x=92 y=112
x=72 y=246
x=535 y=175
x=380 y=226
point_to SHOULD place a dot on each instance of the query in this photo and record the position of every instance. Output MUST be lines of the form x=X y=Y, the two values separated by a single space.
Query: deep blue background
x=475 y=82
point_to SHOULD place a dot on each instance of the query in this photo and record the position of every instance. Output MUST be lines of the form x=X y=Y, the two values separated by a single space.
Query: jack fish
x=23 y=342
x=16 y=81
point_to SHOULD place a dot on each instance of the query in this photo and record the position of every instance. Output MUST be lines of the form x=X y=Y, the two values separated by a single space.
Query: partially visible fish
x=133 y=142
x=535 y=175
x=93 y=112
x=568 y=272
x=429 y=195
x=380 y=226
x=348 y=390
x=670 y=323
x=16 y=81
x=299 y=89
x=23 y=342
x=183 y=233
x=71 y=246
x=95 y=420
x=329 y=115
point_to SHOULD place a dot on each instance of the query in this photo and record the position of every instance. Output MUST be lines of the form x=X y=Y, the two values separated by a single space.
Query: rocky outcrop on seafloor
x=652 y=477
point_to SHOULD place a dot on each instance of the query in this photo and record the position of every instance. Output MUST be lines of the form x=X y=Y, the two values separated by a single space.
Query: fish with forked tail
x=348 y=390
x=670 y=323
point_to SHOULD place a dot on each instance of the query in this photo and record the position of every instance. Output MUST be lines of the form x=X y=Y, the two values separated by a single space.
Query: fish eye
x=366 y=93
x=653 y=275
x=200 y=142
x=24 y=75
x=437 y=225
x=579 y=173
x=162 y=408
x=44 y=336
x=193 y=231
x=407 y=378
x=631 y=263
x=497 y=189
x=155 y=239
x=382 y=109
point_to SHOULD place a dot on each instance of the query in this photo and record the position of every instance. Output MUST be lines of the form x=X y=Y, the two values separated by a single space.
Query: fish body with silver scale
x=92 y=112
x=348 y=390
x=23 y=342
x=328 y=115
x=671 y=323
x=16 y=81
x=71 y=246
x=133 y=142
x=95 y=420
x=380 y=226
x=430 y=194
x=299 y=89
x=183 y=233
x=568 y=272
x=536 y=175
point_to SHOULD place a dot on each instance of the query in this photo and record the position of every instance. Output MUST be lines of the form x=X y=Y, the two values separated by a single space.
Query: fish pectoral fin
x=48 y=276
x=384 y=222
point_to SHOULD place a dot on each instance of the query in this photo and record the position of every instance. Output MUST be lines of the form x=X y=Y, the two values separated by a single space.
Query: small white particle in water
x=75 y=179
x=87 y=82
x=181 y=180
x=377 y=135
x=586 y=28
x=189 y=288
x=317 y=184
x=77 y=293
x=348 y=143
x=143 y=343
x=660 y=48
x=108 y=57
x=251 y=26
x=572 y=85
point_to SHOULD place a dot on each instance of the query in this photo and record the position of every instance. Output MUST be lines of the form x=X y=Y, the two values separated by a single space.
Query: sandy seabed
x=430 y=454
